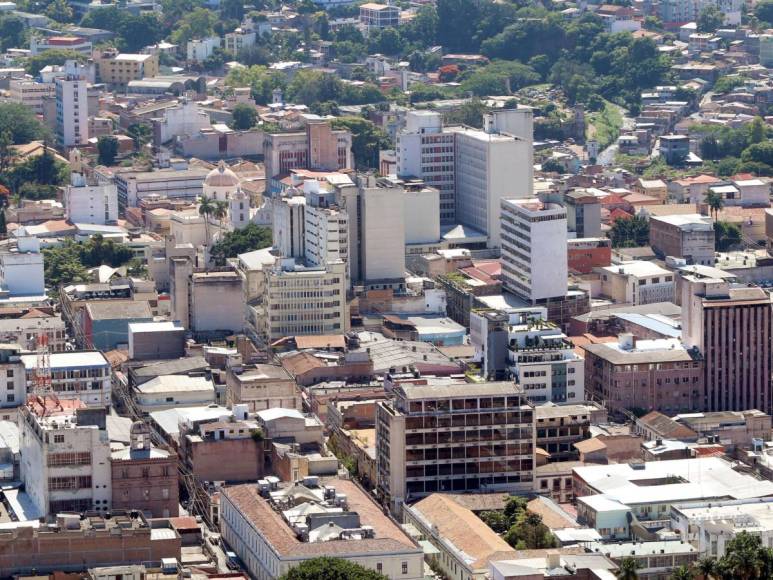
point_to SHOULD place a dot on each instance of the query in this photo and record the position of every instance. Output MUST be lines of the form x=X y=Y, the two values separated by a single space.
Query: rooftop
x=419 y=392
x=638 y=269
x=689 y=222
x=175 y=383
x=66 y=360
x=119 y=310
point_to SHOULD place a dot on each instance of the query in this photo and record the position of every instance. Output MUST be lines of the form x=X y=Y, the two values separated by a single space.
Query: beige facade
x=120 y=69
x=318 y=147
x=636 y=283
x=683 y=236
x=262 y=387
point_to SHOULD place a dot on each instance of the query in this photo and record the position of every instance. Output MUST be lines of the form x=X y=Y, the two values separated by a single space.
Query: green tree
x=68 y=262
x=196 y=24
x=367 y=139
x=726 y=236
x=743 y=558
x=107 y=148
x=715 y=202
x=140 y=134
x=54 y=56
x=3 y=224
x=331 y=569
x=470 y=113
x=529 y=533
x=232 y=9
x=710 y=18
x=759 y=152
x=627 y=569
x=764 y=11
x=247 y=239
x=630 y=233
x=206 y=209
x=12 y=32
x=60 y=11
x=706 y=567
x=244 y=116
x=682 y=573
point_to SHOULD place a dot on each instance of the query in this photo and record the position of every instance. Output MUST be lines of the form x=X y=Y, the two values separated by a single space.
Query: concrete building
x=290 y=425
x=375 y=16
x=766 y=50
x=326 y=228
x=156 y=340
x=72 y=111
x=236 y=41
x=412 y=453
x=174 y=183
x=24 y=331
x=21 y=268
x=583 y=212
x=534 y=234
x=261 y=387
x=383 y=236
x=299 y=300
x=169 y=391
x=184 y=119
x=585 y=254
x=730 y=326
x=119 y=69
x=106 y=323
x=223 y=185
x=144 y=477
x=690 y=237
x=637 y=282
x=734 y=429
x=13 y=388
x=80 y=545
x=200 y=49
x=83 y=376
x=319 y=147
x=658 y=374
x=675 y=149
x=289 y=224
x=30 y=93
x=78 y=44
x=426 y=151
x=90 y=203
x=559 y=427
x=65 y=465
x=273 y=528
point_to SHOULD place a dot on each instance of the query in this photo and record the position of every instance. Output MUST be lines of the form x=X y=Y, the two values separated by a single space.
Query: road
x=607 y=156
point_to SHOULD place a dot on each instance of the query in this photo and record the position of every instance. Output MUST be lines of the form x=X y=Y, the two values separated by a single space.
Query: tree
x=331 y=569
x=764 y=11
x=627 y=569
x=3 y=224
x=715 y=202
x=552 y=166
x=107 y=147
x=220 y=212
x=706 y=567
x=710 y=18
x=232 y=9
x=247 y=239
x=60 y=11
x=196 y=24
x=140 y=134
x=367 y=139
x=244 y=116
x=743 y=557
x=529 y=533
x=19 y=122
x=206 y=209
x=682 y=573
x=54 y=56
x=12 y=32
x=630 y=233
x=470 y=114
x=68 y=262
x=726 y=235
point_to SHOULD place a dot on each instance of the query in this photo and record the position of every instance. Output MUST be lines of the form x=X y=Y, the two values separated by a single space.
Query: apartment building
x=638 y=282
x=174 y=183
x=690 y=237
x=72 y=111
x=533 y=235
x=302 y=300
x=377 y=16
x=382 y=235
x=583 y=211
x=236 y=41
x=120 y=69
x=273 y=528
x=730 y=326
x=261 y=387
x=31 y=94
x=433 y=438
x=585 y=254
x=200 y=49
x=426 y=151
x=659 y=374
x=559 y=427
x=83 y=376
x=21 y=268
x=24 y=330
x=13 y=386
x=318 y=147
x=65 y=457
x=326 y=227
x=90 y=203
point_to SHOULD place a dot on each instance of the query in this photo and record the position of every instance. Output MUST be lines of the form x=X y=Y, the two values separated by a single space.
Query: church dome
x=221 y=176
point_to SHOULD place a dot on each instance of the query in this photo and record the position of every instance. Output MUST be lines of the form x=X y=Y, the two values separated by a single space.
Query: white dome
x=221 y=176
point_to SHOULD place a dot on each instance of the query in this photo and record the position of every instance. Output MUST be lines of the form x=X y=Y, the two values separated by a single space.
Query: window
x=9 y=373
x=9 y=397
x=379 y=567
x=59 y=438
x=405 y=568
x=165 y=493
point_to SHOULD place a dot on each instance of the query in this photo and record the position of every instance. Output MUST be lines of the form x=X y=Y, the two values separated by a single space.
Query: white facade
x=169 y=391
x=90 y=204
x=534 y=252
x=239 y=39
x=289 y=223
x=200 y=49
x=185 y=119
x=85 y=375
x=72 y=111
x=13 y=381
x=383 y=234
x=21 y=269
x=64 y=466
x=326 y=235
x=637 y=282
x=30 y=93
x=422 y=216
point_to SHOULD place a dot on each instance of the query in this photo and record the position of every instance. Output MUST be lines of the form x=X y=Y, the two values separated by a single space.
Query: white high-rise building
x=474 y=169
x=326 y=227
x=72 y=111
x=534 y=254
x=21 y=267
x=289 y=224
x=383 y=235
x=90 y=203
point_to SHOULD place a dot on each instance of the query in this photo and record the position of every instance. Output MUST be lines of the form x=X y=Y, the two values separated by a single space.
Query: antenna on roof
x=42 y=383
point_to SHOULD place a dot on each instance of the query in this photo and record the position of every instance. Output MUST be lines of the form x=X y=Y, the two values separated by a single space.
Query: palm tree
x=220 y=212
x=206 y=209
x=744 y=556
x=682 y=573
x=706 y=567
x=715 y=202
x=627 y=569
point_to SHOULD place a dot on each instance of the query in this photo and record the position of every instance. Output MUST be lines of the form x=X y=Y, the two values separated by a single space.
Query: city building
x=585 y=254
x=72 y=111
x=675 y=149
x=733 y=429
x=200 y=49
x=273 y=528
x=559 y=427
x=174 y=183
x=30 y=93
x=75 y=375
x=414 y=456
x=169 y=391
x=236 y=41
x=261 y=387
x=382 y=236
x=24 y=326
x=75 y=43
x=144 y=477
x=21 y=267
x=729 y=325
x=106 y=323
x=654 y=559
x=637 y=282
x=120 y=69
x=13 y=388
x=65 y=457
x=660 y=374
x=156 y=340
x=689 y=236
x=377 y=16
x=183 y=120
x=583 y=212
x=88 y=202
x=534 y=234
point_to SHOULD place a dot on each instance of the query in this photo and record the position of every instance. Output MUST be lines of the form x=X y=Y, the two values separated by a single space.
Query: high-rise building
x=534 y=251
x=90 y=203
x=454 y=438
x=72 y=111
x=382 y=235
x=474 y=169
x=326 y=227
x=730 y=326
